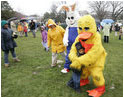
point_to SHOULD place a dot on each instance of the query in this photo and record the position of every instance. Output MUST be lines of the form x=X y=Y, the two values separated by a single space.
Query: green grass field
x=33 y=76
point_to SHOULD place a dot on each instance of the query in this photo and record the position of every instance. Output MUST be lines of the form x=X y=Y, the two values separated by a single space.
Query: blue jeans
x=33 y=32
x=45 y=46
x=67 y=61
x=26 y=34
x=74 y=82
x=6 y=53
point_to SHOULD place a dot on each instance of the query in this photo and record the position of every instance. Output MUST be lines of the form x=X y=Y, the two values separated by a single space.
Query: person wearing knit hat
x=7 y=42
x=3 y=22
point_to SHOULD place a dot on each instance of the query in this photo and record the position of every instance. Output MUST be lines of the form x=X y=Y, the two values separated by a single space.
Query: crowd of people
x=76 y=46
x=24 y=27
x=108 y=28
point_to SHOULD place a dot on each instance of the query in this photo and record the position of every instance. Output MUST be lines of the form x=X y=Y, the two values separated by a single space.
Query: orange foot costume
x=84 y=82
x=97 y=92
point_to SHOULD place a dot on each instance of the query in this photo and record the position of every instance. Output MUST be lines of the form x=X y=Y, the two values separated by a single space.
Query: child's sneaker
x=53 y=65
x=16 y=60
x=65 y=70
x=78 y=90
x=6 y=65
x=59 y=66
x=71 y=85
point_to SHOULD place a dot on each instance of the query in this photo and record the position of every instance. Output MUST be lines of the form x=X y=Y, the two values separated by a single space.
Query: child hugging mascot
x=90 y=60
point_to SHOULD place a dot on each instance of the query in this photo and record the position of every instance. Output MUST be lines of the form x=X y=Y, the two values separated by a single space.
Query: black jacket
x=7 y=41
x=32 y=25
x=117 y=28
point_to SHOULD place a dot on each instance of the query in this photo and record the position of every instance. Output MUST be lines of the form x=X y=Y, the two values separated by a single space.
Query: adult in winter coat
x=7 y=42
x=117 y=28
x=32 y=27
x=55 y=40
x=106 y=31
x=91 y=63
x=13 y=26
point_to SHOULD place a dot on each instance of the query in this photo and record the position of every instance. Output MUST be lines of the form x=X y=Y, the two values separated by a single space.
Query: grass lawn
x=33 y=76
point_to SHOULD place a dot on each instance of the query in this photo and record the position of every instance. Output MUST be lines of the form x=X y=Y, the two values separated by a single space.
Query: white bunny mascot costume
x=70 y=34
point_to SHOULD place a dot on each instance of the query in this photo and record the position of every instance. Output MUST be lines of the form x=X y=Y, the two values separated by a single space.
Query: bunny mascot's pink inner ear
x=73 y=7
x=65 y=8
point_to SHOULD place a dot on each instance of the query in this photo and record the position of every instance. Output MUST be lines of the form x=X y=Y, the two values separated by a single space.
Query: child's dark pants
x=75 y=80
x=119 y=37
x=26 y=34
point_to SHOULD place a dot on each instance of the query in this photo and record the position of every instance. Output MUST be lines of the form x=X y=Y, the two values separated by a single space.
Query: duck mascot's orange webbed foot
x=97 y=92
x=84 y=82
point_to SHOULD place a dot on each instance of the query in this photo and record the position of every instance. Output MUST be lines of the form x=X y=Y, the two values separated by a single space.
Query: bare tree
x=53 y=14
x=99 y=8
x=117 y=9
x=53 y=8
x=6 y=10
x=59 y=17
x=55 y=5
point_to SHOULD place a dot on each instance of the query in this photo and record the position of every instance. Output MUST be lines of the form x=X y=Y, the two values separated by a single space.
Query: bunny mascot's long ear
x=73 y=7
x=63 y=7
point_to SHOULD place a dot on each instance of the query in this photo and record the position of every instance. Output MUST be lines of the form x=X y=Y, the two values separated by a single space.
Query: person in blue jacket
x=7 y=42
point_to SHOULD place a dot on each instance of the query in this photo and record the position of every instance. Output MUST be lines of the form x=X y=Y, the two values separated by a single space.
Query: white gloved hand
x=65 y=39
x=65 y=42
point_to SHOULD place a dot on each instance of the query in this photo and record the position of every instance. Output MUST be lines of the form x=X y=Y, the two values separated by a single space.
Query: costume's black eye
x=80 y=28
x=69 y=18
x=86 y=28
x=72 y=17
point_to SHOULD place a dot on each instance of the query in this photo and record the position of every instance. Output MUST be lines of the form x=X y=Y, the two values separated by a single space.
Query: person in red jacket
x=25 y=30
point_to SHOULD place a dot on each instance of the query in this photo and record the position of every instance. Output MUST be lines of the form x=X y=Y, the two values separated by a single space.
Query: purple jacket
x=44 y=36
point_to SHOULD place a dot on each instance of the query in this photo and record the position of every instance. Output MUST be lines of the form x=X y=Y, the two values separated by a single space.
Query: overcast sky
x=39 y=7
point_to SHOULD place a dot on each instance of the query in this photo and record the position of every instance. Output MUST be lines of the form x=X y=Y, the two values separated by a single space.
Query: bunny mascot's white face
x=71 y=18
x=72 y=15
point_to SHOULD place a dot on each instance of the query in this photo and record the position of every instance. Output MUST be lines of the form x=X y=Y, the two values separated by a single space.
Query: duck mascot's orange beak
x=83 y=37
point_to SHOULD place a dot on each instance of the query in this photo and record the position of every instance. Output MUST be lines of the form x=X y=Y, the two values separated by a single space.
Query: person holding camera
x=7 y=42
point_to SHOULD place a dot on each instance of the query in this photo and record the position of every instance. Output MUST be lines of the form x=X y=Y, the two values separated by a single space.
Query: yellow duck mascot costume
x=92 y=62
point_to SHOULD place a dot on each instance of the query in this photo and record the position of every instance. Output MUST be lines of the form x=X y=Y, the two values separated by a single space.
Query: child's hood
x=51 y=22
